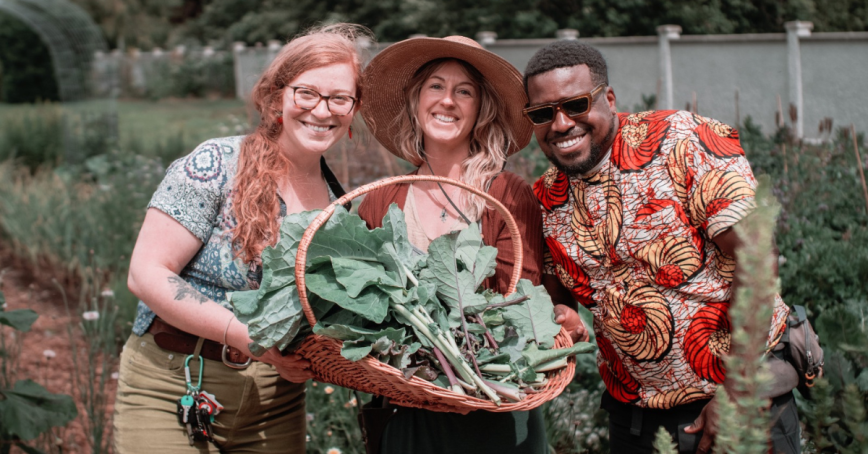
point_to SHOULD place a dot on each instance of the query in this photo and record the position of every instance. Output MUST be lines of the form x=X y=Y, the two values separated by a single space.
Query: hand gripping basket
x=371 y=376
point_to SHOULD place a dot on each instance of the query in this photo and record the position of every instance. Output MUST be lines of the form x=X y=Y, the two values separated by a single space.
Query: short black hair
x=565 y=53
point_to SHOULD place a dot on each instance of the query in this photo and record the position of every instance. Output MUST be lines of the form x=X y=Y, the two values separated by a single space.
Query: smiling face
x=448 y=107
x=573 y=145
x=317 y=129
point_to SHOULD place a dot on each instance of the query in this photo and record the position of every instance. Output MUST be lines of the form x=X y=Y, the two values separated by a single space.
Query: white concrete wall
x=834 y=68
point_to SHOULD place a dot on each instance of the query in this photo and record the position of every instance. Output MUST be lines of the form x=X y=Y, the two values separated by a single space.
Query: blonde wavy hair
x=261 y=163
x=489 y=139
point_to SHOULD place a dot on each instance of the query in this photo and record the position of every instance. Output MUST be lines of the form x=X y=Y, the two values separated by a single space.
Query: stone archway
x=73 y=39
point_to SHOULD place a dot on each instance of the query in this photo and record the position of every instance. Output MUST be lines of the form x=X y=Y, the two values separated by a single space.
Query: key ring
x=190 y=388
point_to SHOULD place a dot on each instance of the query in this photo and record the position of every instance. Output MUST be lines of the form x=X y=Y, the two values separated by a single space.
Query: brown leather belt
x=173 y=339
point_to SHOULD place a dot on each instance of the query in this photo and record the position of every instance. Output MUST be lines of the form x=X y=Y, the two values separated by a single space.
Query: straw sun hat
x=387 y=75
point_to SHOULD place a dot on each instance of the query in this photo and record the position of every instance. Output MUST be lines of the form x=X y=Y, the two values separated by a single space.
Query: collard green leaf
x=356 y=350
x=276 y=320
x=372 y=303
x=357 y=275
x=477 y=258
x=535 y=317
x=534 y=356
x=28 y=410
x=523 y=370
x=397 y=254
x=486 y=357
x=513 y=345
x=21 y=319
x=343 y=332
x=246 y=302
x=346 y=236
x=455 y=287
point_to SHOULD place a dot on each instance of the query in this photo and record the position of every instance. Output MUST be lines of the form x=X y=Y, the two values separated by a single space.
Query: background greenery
x=77 y=219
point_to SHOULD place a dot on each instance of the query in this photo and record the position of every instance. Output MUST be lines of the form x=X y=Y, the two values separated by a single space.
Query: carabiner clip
x=190 y=387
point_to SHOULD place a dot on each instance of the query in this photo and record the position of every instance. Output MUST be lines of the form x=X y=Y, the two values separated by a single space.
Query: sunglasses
x=573 y=107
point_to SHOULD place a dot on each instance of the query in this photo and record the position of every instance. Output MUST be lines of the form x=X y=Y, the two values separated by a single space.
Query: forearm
x=182 y=306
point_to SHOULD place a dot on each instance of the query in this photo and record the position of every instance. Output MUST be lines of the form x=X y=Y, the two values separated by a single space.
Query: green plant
x=744 y=421
x=27 y=410
x=98 y=314
x=331 y=419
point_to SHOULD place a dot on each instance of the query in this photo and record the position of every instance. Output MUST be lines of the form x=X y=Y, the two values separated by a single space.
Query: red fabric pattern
x=618 y=381
x=707 y=339
x=552 y=190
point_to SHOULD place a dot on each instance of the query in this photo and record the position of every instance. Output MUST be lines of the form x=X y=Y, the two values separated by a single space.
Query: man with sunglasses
x=637 y=216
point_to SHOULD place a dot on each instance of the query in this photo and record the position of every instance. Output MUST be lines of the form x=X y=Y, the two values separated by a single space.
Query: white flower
x=307 y=438
x=90 y=315
x=329 y=433
x=329 y=390
x=115 y=375
x=107 y=293
x=48 y=354
x=351 y=403
x=333 y=450
x=310 y=417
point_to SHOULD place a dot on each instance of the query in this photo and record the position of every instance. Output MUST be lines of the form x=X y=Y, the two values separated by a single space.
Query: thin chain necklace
x=443 y=214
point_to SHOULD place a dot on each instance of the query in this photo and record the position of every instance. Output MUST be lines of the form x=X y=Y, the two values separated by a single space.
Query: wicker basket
x=371 y=376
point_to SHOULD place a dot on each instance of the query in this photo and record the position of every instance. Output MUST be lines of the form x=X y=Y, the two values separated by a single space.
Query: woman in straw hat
x=453 y=109
x=202 y=237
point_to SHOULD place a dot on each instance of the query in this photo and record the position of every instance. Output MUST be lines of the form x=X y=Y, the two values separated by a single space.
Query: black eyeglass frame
x=559 y=105
x=321 y=98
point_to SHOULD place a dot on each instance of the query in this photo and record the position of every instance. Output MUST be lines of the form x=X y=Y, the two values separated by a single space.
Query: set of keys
x=197 y=409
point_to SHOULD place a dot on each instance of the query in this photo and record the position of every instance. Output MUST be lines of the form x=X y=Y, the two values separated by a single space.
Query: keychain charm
x=197 y=408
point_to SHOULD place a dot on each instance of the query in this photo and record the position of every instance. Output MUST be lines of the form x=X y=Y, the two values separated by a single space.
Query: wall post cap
x=486 y=37
x=802 y=29
x=567 y=33
x=669 y=31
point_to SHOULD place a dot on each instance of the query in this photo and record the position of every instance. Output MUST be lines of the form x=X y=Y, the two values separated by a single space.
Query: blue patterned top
x=197 y=192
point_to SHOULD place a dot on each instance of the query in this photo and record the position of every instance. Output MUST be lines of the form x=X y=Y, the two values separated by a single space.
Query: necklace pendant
x=443 y=215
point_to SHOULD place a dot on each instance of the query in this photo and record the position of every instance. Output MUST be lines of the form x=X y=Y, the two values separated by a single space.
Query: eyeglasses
x=573 y=107
x=307 y=99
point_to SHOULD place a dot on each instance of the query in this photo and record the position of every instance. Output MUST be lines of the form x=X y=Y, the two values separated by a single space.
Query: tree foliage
x=148 y=23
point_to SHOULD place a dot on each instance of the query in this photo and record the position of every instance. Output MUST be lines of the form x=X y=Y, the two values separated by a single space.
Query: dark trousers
x=632 y=429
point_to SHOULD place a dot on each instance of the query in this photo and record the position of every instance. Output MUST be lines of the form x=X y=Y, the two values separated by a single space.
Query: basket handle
x=301 y=257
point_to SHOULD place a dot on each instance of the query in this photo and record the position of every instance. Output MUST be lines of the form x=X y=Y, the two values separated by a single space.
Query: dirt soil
x=50 y=334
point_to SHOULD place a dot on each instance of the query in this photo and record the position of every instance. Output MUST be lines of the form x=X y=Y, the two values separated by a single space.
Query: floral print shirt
x=197 y=192
x=632 y=242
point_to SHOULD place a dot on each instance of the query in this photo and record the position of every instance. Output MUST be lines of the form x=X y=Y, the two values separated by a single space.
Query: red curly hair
x=261 y=162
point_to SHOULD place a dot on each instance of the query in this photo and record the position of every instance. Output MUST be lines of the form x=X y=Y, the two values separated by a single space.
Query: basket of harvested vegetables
x=386 y=319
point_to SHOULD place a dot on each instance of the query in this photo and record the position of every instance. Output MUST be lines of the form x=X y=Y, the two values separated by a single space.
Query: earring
x=280 y=119
x=351 y=132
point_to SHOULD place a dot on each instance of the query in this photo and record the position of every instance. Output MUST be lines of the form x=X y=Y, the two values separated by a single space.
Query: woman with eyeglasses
x=454 y=109
x=207 y=224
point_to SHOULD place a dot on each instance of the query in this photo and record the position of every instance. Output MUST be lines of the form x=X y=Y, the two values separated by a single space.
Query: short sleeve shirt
x=632 y=242
x=197 y=192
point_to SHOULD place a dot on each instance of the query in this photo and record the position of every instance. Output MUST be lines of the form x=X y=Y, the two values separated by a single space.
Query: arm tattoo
x=185 y=290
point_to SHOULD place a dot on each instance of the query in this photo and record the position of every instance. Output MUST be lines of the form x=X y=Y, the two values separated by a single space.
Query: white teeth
x=568 y=143
x=317 y=128
x=444 y=118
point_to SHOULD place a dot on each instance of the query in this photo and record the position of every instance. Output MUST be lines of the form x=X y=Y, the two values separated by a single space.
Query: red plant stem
x=447 y=368
x=491 y=342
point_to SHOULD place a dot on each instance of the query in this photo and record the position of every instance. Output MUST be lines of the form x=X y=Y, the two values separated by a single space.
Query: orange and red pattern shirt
x=632 y=242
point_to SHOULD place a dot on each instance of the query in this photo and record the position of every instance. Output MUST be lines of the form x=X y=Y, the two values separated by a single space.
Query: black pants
x=632 y=429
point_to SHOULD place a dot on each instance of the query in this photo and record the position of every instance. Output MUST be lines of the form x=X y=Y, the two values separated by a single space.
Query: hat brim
x=387 y=75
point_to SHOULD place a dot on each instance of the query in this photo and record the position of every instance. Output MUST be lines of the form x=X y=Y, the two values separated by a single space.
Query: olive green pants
x=262 y=413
